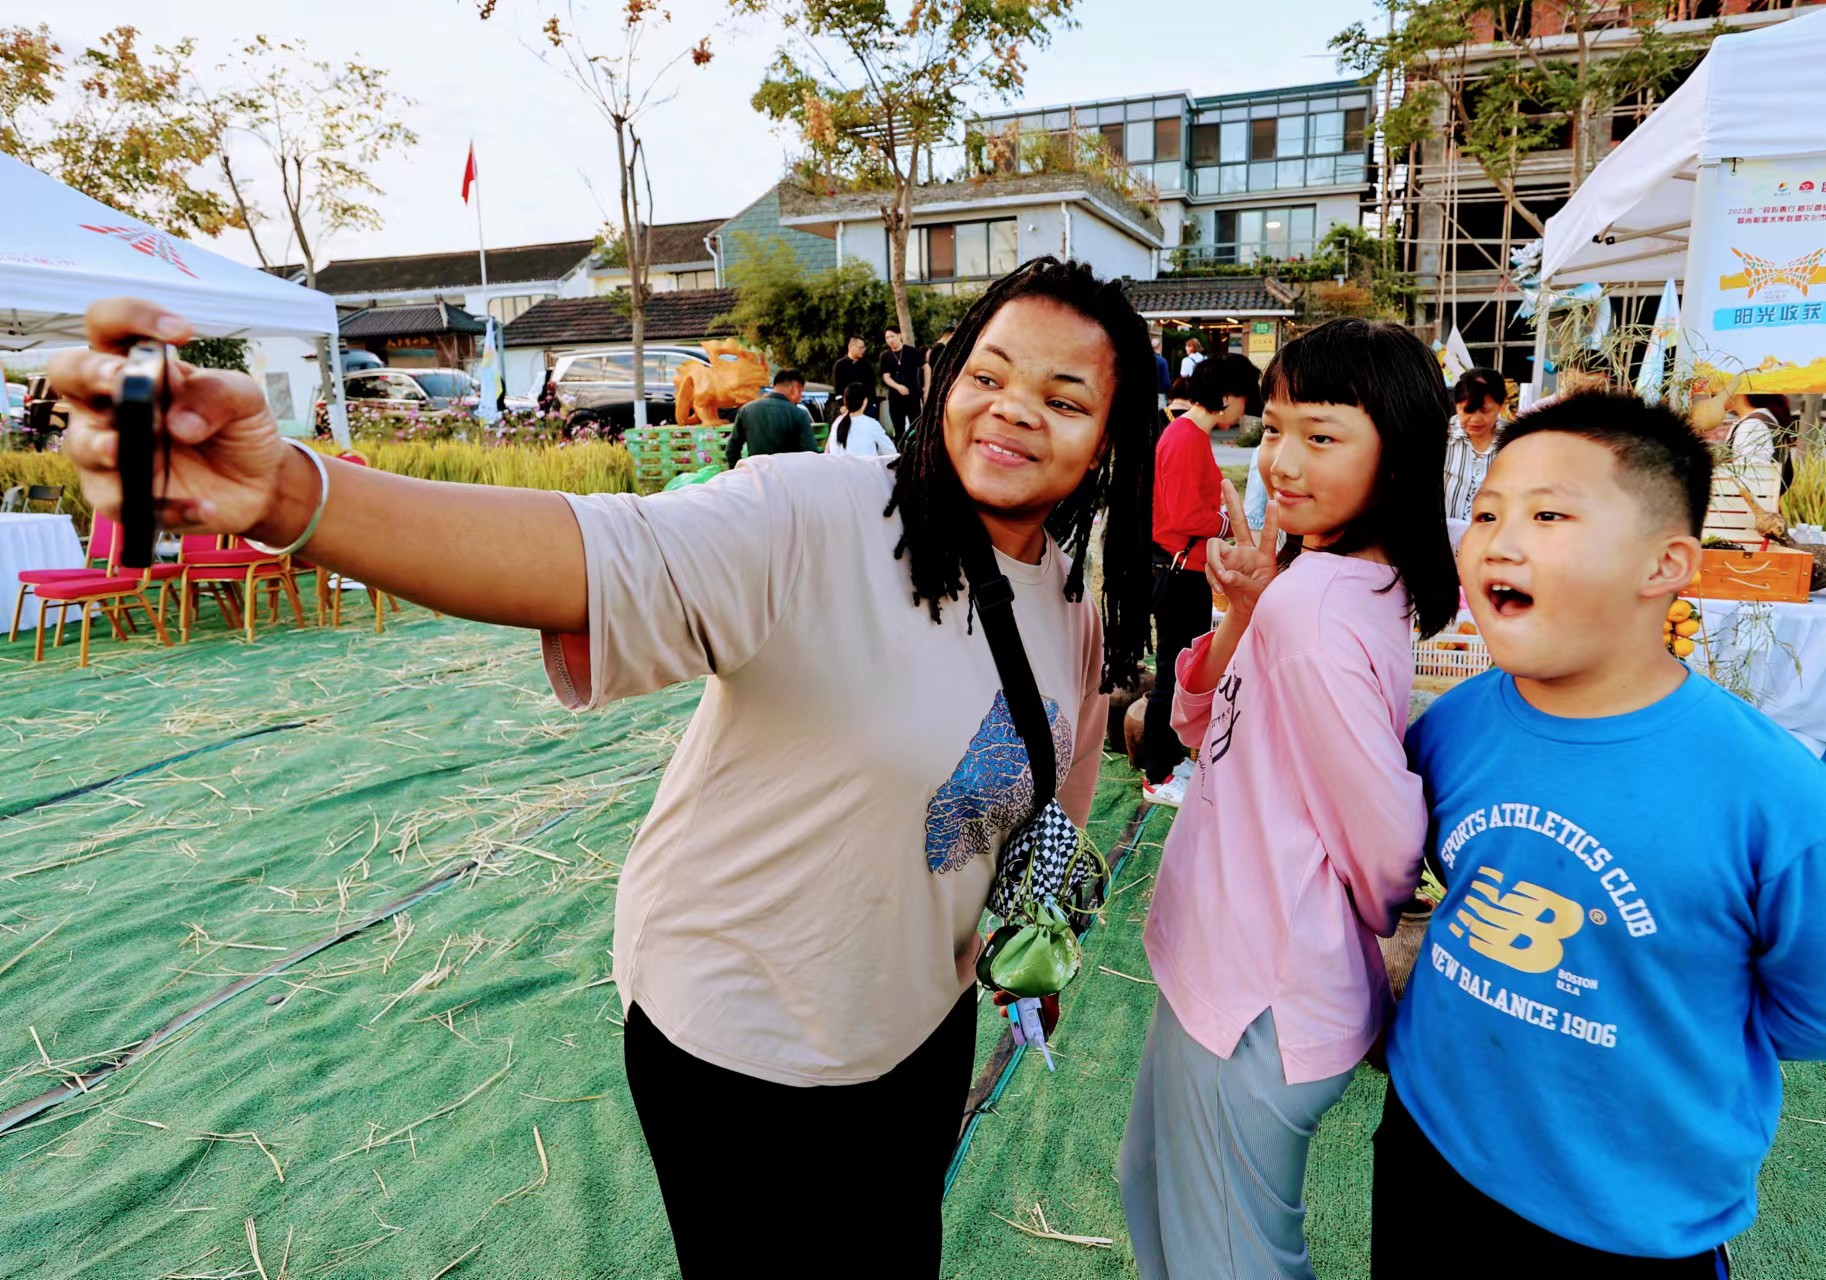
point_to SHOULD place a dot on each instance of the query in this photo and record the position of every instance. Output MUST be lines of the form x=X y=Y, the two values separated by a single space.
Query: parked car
x=15 y=405
x=441 y=392
x=598 y=386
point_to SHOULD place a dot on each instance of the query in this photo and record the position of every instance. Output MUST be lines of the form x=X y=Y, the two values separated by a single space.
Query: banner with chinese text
x=1757 y=303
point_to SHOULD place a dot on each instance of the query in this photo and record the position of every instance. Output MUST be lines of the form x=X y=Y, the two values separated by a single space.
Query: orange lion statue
x=733 y=377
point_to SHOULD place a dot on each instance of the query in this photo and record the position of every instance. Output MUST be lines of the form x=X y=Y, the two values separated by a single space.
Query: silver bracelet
x=323 y=497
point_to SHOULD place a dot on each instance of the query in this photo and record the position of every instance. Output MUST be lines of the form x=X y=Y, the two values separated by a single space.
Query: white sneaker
x=1171 y=793
x=1185 y=771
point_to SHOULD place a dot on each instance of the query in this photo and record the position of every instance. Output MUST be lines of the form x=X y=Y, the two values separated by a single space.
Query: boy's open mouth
x=1507 y=601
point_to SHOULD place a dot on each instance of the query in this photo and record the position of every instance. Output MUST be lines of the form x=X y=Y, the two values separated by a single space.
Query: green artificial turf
x=171 y=820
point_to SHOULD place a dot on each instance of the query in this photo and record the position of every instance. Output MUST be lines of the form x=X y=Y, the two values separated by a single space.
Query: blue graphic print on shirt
x=991 y=790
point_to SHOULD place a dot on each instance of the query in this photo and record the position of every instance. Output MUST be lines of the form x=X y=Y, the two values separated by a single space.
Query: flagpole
x=481 y=245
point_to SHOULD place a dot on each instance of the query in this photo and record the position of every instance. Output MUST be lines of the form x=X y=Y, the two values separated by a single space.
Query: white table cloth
x=33 y=542
x=1774 y=653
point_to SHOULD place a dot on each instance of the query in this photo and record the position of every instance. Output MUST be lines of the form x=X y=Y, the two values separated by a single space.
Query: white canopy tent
x=1757 y=94
x=61 y=251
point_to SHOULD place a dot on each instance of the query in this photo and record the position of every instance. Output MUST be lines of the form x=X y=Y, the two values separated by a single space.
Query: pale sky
x=541 y=147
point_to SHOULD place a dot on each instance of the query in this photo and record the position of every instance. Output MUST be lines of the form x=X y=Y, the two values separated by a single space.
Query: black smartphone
x=139 y=420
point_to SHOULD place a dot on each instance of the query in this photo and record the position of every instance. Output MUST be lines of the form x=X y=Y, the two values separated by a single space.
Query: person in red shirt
x=1188 y=510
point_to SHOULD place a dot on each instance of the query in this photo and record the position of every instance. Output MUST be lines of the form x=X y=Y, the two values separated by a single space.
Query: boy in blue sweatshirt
x=1584 y=1073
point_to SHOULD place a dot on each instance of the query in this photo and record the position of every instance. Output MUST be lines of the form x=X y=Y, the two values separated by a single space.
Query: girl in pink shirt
x=1303 y=835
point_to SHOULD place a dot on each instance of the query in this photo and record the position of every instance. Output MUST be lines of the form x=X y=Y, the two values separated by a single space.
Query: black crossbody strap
x=992 y=595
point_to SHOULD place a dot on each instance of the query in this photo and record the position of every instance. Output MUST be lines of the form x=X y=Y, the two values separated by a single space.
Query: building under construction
x=1459 y=228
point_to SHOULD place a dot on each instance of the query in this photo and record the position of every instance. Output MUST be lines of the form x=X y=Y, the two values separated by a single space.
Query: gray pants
x=1213 y=1165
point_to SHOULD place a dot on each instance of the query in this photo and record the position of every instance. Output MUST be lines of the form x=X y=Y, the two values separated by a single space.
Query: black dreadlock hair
x=936 y=512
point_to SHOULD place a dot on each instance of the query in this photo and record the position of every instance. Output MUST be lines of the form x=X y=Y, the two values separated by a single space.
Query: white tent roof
x=60 y=251
x=1756 y=94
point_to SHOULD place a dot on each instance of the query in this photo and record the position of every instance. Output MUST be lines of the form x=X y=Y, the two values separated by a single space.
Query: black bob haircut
x=1478 y=385
x=1660 y=459
x=1381 y=368
x=1226 y=375
x=937 y=513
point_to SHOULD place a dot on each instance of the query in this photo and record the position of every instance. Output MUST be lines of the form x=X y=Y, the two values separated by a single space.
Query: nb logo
x=1525 y=928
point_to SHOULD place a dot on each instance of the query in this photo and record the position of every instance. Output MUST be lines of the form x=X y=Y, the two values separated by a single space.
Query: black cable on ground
x=131 y=774
x=14 y=1117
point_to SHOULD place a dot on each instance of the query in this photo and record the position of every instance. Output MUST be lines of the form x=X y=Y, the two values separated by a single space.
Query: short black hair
x=893 y=328
x=1660 y=458
x=853 y=337
x=787 y=377
x=1381 y=368
x=1475 y=386
x=1226 y=375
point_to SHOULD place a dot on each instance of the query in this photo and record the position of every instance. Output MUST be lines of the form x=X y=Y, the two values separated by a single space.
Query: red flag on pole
x=469 y=172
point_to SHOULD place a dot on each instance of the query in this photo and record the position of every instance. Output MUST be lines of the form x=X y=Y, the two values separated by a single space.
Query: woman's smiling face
x=1028 y=417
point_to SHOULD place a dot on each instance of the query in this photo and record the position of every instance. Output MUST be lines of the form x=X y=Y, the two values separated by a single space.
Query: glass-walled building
x=1239 y=177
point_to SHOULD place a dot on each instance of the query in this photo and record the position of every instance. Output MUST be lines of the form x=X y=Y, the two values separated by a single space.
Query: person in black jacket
x=852 y=366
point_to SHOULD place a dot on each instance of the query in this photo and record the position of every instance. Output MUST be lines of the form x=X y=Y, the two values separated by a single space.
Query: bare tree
x=623 y=91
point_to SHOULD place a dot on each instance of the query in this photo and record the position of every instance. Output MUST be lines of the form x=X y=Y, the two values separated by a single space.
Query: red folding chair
x=100 y=547
x=112 y=596
x=222 y=569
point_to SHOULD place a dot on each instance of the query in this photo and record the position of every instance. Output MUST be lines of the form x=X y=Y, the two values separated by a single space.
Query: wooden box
x=1729 y=516
x=1772 y=573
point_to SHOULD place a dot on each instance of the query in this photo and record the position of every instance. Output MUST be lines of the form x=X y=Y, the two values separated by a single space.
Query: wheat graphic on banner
x=1764 y=274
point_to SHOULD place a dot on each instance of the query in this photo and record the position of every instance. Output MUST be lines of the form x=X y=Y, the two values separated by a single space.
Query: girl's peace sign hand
x=1243 y=571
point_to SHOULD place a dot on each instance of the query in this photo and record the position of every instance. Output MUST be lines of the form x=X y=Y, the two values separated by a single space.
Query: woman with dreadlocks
x=797 y=921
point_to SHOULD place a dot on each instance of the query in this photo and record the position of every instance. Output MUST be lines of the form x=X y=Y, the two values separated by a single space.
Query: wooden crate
x=1448 y=658
x=1768 y=573
x=660 y=453
x=1729 y=515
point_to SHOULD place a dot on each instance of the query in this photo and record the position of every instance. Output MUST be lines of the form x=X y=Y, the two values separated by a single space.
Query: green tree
x=1548 y=92
x=800 y=321
x=115 y=123
x=216 y=353
x=622 y=87
x=869 y=91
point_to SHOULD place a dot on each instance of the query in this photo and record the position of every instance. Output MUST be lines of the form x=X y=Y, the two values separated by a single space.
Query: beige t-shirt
x=803 y=901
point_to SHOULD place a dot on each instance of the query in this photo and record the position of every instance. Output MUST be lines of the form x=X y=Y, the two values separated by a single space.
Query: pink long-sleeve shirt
x=1303 y=836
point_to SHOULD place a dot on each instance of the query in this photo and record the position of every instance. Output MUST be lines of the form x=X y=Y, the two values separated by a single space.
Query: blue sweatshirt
x=1634 y=932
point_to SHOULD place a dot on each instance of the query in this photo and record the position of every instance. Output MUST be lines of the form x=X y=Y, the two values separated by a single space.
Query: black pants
x=1423 y=1209
x=1183 y=615
x=905 y=412
x=849 y=1179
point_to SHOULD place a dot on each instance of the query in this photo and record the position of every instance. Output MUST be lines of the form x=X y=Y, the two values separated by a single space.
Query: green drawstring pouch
x=1033 y=957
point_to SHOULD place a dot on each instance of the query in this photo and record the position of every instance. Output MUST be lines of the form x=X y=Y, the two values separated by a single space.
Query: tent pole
x=1700 y=292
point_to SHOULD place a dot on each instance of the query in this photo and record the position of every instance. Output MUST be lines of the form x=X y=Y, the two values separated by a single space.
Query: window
x=369 y=387
x=1247 y=235
x=1112 y=139
x=963 y=250
x=972 y=239
x=1204 y=144
x=445 y=386
x=941 y=253
x=1290 y=173
x=511 y=307
x=1139 y=140
x=1234 y=146
x=584 y=369
x=1233 y=179
x=1004 y=253
x=1166 y=139
x=1356 y=121
x=1261 y=139
x=1327 y=133
x=1292 y=139
x=703 y=279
